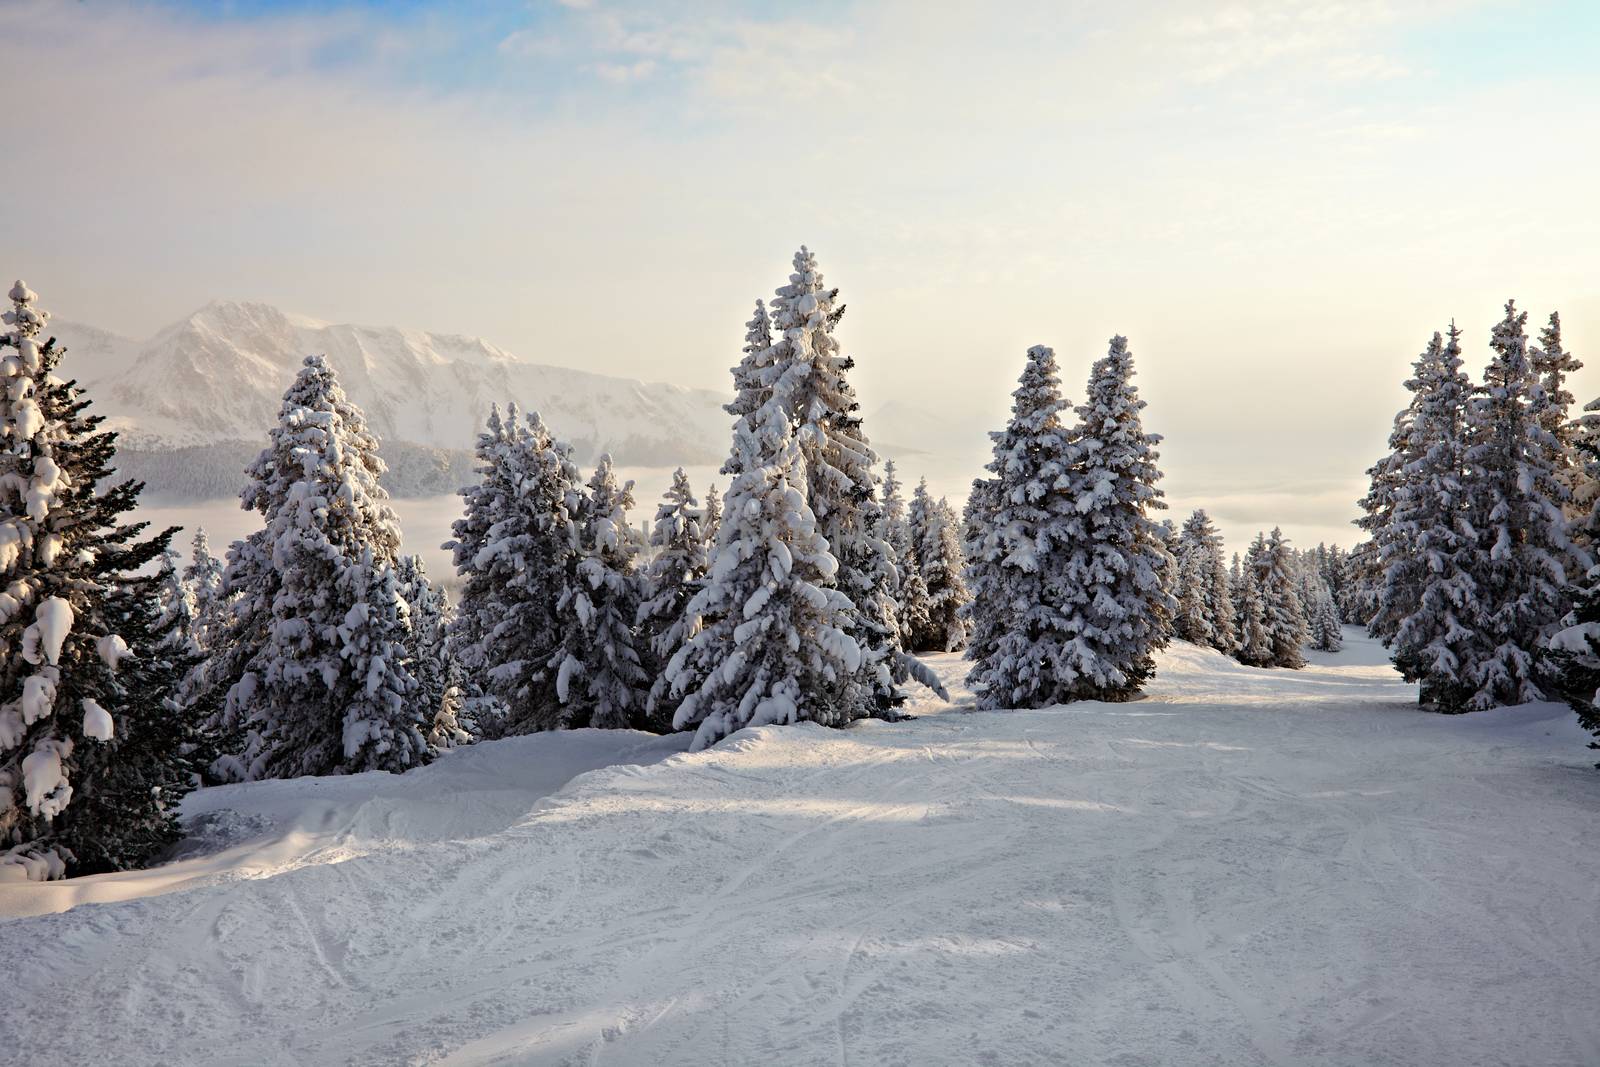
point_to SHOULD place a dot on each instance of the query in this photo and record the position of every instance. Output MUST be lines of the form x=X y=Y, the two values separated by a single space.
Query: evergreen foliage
x=86 y=781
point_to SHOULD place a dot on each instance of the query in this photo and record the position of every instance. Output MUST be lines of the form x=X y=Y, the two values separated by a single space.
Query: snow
x=54 y=620
x=97 y=721
x=219 y=374
x=1248 y=867
x=44 y=782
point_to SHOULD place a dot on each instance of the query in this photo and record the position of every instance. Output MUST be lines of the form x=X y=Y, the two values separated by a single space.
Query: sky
x=1277 y=202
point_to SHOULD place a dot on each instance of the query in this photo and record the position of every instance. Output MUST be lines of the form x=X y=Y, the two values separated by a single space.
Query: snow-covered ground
x=1249 y=867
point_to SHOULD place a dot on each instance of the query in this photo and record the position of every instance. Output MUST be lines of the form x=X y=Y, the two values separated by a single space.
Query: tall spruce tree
x=87 y=780
x=1205 y=613
x=317 y=673
x=712 y=517
x=985 y=618
x=1116 y=583
x=676 y=572
x=1515 y=505
x=1255 y=640
x=775 y=646
x=428 y=651
x=203 y=578
x=516 y=550
x=752 y=377
x=1271 y=564
x=1438 y=637
x=911 y=594
x=1023 y=633
x=600 y=675
x=941 y=565
x=809 y=377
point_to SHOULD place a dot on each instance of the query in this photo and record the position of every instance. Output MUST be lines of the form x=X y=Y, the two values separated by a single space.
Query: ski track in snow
x=1248 y=867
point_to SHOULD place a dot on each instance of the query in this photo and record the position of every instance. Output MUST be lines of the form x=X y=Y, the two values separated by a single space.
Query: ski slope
x=1249 y=867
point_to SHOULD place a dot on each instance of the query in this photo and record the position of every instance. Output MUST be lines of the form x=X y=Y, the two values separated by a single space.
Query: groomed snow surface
x=1249 y=867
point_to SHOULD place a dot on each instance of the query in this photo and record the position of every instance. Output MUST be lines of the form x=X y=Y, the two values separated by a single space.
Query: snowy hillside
x=1249 y=867
x=212 y=385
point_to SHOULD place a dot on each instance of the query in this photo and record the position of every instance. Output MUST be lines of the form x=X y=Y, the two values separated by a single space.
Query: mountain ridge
x=215 y=379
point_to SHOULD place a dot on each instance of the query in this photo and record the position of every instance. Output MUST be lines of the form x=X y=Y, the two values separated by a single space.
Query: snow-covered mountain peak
x=219 y=374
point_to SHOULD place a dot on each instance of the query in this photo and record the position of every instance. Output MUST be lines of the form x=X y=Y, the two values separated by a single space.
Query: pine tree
x=809 y=380
x=1391 y=577
x=1437 y=637
x=1551 y=401
x=676 y=573
x=1515 y=505
x=1271 y=566
x=135 y=779
x=203 y=578
x=912 y=593
x=1022 y=633
x=516 y=550
x=600 y=676
x=178 y=607
x=1115 y=586
x=712 y=518
x=1323 y=624
x=1205 y=613
x=1255 y=639
x=946 y=589
x=428 y=654
x=83 y=785
x=984 y=617
x=752 y=376
x=315 y=667
x=775 y=646
x=1359 y=603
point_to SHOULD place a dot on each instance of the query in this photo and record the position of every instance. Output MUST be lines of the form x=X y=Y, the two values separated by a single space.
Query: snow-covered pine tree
x=1551 y=401
x=1386 y=576
x=1115 y=589
x=79 y=791
x=775 y=647
x=1574 y=650
x=752 y=377
x=428 y=653
x=1438 y=638
x=984 y=617
x=942 y=567
x=1325 y=634
x=676 y=573
x=810 y=385
x=315 y=666
x=1359 y=602
x=135 y=780
x=1272 y=564
x=907 y=529
x=1391 y=578
x=1255 y=640
x=911 y=595
x=1515 y=504
x=516 y=551
x=1022 y=632
x=203 y=578
x=600 y=675
x=712 y=517
x=1219 y=600
x=1205 y=606
x=178 y=607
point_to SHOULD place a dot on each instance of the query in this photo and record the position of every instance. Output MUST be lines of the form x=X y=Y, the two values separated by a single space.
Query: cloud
x=626 y=73
x=1259 y=195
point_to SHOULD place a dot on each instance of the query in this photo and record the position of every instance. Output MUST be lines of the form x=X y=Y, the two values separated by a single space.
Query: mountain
x=194 y=402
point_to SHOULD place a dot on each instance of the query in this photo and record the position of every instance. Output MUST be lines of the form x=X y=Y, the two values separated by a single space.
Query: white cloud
x=626 y=73
x=1277 y=241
